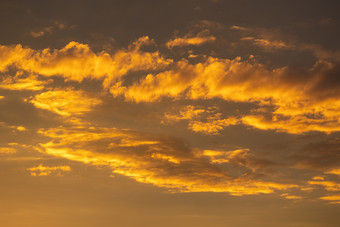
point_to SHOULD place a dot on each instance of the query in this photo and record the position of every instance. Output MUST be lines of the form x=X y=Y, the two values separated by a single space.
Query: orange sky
x=170 y=113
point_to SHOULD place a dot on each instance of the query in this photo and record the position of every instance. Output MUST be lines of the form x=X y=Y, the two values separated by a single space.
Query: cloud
x=323 y=155
x=302 y=100
x=287 y=196
x=65 y=102
x=7 y=150
x=186 y=41
x=48 y=170
x=335 y=171
x=288 y=99
x=332 y=198
x=207 y=121
x=48 y=30
x=77 y=61
x=328 y=185
x=274 y=40
x=268 y=44
x=19 y=82
x=162 y=161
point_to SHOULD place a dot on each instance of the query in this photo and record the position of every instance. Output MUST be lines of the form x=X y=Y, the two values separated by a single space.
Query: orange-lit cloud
x=274 y=40
x=154 y=160
x=269 y=44
x=48 y=30
x=7 y=150
x=23 y=83
x=332 y=198
x=328 y=185
x=48 y=170
x=65 y=102
x=207 y=121
x=77 y=61
x=334 y=171
x=287 y=196
x=302 y=100
x=185 y=41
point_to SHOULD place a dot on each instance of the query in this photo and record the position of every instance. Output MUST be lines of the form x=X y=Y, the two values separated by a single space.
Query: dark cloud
x=322 y=155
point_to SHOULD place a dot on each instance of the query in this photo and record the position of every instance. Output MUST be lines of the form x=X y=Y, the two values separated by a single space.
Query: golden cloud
x=18 y=82
x=48 y=170
x=299 y=100
x=335 y=171
x=303 y=101
x=185 y=41
x=207 y=121
x=162 y=162
x=332 y=198
x=7 y=150
x=328 y=185
x=77 y=61
x=65 y=102
x=269 y=44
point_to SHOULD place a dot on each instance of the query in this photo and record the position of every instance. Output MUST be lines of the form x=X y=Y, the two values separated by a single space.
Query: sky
x=170 y=113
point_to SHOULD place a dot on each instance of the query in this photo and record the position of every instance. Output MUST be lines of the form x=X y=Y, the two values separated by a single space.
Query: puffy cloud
x=162 y=161
x=301 y=100
x=77 y=61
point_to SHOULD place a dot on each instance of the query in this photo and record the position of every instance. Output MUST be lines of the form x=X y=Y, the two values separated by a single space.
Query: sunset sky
x=204 y=113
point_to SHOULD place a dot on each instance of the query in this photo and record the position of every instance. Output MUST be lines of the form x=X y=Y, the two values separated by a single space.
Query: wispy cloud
x=186 y=41
x=49 y=29
x=48 y=170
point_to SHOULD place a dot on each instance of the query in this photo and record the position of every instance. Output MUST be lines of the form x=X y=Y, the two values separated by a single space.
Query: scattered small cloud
x=48 y=170
x=49 y=29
